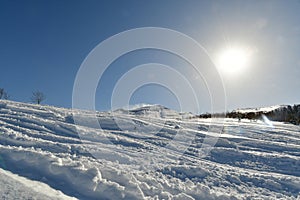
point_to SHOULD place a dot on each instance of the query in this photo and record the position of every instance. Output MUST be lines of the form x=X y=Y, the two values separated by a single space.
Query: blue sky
x=43 y=44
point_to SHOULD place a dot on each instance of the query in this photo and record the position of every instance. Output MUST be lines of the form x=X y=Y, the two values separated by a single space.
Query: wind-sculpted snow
x=145 y=153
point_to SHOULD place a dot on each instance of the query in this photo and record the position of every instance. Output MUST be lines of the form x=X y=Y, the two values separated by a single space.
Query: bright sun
x=233 y=60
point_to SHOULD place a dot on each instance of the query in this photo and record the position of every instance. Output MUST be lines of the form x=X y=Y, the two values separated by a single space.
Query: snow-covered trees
x=286 y=113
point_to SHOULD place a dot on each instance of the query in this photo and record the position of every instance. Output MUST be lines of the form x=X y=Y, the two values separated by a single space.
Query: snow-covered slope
x=40 y=147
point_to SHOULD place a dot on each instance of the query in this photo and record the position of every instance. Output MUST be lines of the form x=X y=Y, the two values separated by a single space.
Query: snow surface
x=16 y=187
x=134 y=156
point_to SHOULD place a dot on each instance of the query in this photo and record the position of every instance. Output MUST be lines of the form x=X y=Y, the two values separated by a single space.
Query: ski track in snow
x=43 y=157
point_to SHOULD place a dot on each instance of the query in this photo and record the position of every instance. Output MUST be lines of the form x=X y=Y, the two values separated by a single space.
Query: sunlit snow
x=40 y=148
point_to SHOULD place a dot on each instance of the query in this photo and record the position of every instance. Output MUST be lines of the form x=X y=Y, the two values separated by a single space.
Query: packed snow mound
x=134 y=156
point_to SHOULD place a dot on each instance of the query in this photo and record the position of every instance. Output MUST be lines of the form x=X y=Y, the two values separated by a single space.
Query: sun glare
x=233 y=60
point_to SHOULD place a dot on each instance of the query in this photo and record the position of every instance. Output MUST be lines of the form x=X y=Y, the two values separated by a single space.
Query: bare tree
x=38 y=97
x=3 y=94
x=6 y=96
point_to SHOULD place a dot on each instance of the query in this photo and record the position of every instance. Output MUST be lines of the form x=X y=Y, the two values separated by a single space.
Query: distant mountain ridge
x=154 y=110
x=282 y=113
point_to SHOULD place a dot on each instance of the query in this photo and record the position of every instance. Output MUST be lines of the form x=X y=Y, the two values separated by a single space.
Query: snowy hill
x=154 y=111
x=138 y=154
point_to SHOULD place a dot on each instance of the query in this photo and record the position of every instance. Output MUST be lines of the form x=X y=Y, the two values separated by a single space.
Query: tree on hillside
x=38 y=97
x=3 y=94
